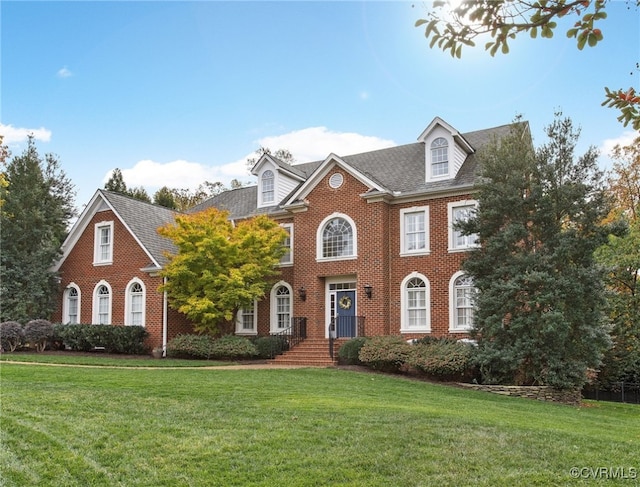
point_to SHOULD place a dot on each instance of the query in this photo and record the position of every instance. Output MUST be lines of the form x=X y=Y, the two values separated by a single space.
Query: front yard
x=77 y=426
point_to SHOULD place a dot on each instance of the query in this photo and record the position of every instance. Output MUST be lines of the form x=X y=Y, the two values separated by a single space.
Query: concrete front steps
x=313 y=352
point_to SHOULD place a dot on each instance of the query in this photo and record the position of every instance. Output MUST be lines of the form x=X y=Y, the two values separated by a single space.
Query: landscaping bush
x=385 y=353
x=190 y=346
x=232 y=347
x=113 y=338
x=270 y=346
x=444 y=359
x=38 y=333
x=11 y=335
x=349 y=352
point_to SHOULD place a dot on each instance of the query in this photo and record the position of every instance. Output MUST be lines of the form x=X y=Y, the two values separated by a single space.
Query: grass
x=301 y=427
x=95 y=359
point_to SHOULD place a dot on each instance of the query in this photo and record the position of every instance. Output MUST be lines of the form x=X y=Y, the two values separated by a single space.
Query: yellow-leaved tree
x=220 y=266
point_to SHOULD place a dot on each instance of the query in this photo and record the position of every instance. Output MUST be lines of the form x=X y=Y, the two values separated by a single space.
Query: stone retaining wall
x=540 y=393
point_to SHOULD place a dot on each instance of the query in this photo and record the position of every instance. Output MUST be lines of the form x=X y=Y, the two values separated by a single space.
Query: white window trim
x=128 y=302
x=97 y=257
x=433 y=177
x=273 y=322
x=451 y=234
x=452 y=306
x=65 y=302
x=239 y=321
x=403 y=234
x=320 y=232
x=261 y=201
x=404 y=321
x=96 y=301
x=290 y=261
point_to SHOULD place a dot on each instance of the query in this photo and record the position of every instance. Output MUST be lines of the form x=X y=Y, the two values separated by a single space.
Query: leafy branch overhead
x=451 y=28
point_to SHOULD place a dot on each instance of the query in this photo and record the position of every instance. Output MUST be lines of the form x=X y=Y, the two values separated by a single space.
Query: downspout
x=164 y=319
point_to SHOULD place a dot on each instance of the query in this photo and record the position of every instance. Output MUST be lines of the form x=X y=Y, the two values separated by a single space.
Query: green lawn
x=72 y=426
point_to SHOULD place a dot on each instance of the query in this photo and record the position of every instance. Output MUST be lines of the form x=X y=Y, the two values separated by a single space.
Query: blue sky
x=175 y=93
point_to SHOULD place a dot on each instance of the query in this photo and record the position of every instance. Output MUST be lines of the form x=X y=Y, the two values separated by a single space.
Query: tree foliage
x=283 y=155
x=621 y=259
x=117 y=184
x=34 y=219
x=220 y=266
x=503 y=20
x=540 y=296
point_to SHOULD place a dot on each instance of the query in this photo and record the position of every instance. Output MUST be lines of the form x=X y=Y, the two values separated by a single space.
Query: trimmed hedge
x=270 y=346
x=349 y=352
x=113 y=338
x=385 y=353
x=444 y=359
x=232 y=347
x=11 y=335
x=228 y=347
x=38 y=333
x=190 y=346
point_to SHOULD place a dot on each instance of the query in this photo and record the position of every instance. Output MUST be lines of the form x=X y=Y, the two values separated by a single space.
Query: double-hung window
x=461 y=211
x=415 y=304
x=414 y=230
x=267 y=182
x=103 y=243
x=439 y=158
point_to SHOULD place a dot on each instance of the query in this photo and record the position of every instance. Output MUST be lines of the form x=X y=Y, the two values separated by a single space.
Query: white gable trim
x=97 y=203
x=457 y=137
x=323 y=170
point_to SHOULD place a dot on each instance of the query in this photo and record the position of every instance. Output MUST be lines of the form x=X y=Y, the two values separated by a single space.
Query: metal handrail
x=294 y=334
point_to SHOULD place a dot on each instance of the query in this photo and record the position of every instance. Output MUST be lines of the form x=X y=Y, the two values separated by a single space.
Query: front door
x=345 y=313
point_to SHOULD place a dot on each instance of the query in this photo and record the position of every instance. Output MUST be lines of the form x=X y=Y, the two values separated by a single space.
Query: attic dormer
x=276 y=180
x=445 y=150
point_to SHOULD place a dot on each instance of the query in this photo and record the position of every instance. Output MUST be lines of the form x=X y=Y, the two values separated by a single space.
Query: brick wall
x=128 y=259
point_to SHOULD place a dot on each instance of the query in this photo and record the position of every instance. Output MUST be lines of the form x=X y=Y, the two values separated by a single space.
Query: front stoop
x=313 y=352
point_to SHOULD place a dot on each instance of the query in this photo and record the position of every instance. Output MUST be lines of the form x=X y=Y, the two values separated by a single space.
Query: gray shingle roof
x=144 y=219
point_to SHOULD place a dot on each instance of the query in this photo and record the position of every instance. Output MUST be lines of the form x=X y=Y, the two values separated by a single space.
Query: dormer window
x=439 y=157
x=268 y=187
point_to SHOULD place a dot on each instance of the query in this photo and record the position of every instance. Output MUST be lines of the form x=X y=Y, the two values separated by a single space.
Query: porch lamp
x=302 y=292
x=368 y=290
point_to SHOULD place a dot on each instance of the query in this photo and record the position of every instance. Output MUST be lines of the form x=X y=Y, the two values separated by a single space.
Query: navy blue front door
x=345 y=314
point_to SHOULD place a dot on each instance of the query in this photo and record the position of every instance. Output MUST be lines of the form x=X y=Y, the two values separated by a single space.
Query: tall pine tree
x=34 y=219
x=540 y=299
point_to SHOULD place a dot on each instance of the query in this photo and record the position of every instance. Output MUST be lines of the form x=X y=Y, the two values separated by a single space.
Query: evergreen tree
x=164 y=197
x=37 y=209
x=540 y=296
x=116 y=183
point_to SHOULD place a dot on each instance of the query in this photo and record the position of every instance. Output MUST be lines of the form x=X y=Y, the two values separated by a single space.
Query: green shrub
x=11 y=335
x=349 y=352
x=444 y=359
x=386 y=353
x=38 y=333
x=232 y=347
x=270 y=346
x=113 y=338
x=190 y=346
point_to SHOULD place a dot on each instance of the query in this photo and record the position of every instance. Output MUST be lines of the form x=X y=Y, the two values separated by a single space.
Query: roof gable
x=141 y=220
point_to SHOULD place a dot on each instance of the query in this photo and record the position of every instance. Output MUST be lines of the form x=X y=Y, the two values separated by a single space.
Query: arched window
x=135 y=305
x=336 y=238
x=268 y=187
x=102 y=304
x=439 y=157
x=281 y=311
x=461 y=295
x=71 y=305
x=415 y=304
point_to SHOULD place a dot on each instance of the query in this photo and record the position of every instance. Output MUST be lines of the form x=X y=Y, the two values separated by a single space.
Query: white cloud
x=624 y=139
x=64 y=73
x=13 y=135
x=310 y=144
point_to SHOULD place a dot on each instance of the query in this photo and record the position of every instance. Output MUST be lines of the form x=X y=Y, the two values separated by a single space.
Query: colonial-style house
x=372 y=246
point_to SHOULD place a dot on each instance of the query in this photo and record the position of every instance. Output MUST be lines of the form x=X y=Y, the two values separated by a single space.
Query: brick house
x=372 y=245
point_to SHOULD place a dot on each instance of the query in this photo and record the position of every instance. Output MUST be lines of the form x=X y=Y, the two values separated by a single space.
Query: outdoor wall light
x=368 y=290
x=302 y=292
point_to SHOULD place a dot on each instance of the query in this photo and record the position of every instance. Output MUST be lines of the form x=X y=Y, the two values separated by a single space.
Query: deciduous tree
x=540 y=296
x=220 y=266
x=452 y=27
